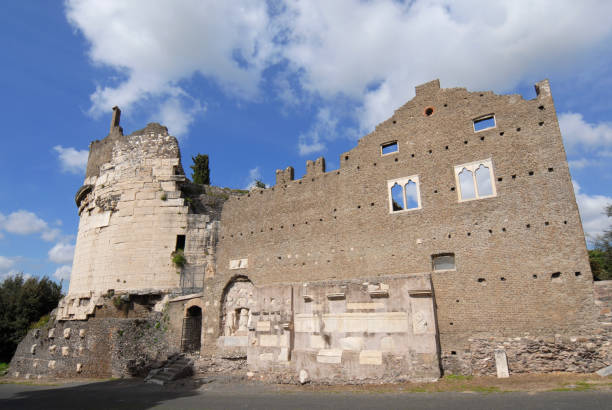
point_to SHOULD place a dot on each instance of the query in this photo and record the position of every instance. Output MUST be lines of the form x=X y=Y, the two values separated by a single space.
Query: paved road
x=135 y=395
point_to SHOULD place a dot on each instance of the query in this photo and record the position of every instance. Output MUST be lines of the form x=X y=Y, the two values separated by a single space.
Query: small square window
x=389 y=148
x=443 y=261
x=484 y=123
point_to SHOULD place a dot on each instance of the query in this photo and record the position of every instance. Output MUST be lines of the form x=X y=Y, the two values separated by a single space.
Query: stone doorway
x=192 y=330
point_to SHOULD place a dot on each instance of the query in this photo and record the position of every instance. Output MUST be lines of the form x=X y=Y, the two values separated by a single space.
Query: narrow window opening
x=396 y=197
x=444 y=261
x=389 y=148
x=180 y=242
x=484 y=123
x=466 y=184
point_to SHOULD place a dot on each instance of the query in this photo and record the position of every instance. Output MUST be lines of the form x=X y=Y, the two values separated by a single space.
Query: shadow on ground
x=130 y=394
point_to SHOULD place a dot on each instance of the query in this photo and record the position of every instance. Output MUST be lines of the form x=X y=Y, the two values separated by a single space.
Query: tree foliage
x=601 y=254
x=201 y=172
x=259 y=184
x=22 y=303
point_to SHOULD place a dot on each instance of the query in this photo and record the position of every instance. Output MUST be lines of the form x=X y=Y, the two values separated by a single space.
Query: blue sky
x=262 y=85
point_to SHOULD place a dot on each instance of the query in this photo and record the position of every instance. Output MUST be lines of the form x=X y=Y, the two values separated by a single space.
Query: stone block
x=317 y=342
x=382 y=322
x=51 y=333
x=67 y=333
x=364 y=306
x=351 y=343
x=266 y=357
x=35 y=363
x=268 y=340
x=51 y=364
x=263 y=326
x=306 y=323
x=304 y=377
x=239 y=263
x=65 y=351
x=387 y=343
x=501 y=363
x=82 y=333
x=234 y=341
x=373 y=357
x=33 y=349
x=606 y=371
x=52 y=349
x=79 y=367
x=329 y=356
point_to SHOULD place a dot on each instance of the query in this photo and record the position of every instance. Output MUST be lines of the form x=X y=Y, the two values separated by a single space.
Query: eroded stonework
x=448 y=240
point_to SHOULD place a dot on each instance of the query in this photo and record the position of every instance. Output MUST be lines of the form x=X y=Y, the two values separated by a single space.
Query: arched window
x=475 y=180
x=404 y=194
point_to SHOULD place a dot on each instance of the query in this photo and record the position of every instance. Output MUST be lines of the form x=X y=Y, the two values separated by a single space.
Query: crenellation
x=449 y=230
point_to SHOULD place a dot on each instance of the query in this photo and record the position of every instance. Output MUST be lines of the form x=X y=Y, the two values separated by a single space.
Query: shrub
x=40 y=323
x=178 y=258
x=163 y=197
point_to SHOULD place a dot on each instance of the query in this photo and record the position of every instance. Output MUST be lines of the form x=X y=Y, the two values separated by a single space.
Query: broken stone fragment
x=51 y=364
x=79 y=367
x=67 y=333
x=52 y=349
x=51 y=333
x=304 y=377
x=82 y=333
x=33 y=349
x=65 y=351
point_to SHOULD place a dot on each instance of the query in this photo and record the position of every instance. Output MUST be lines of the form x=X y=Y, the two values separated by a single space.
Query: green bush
x=3 y=368
x=178 y=258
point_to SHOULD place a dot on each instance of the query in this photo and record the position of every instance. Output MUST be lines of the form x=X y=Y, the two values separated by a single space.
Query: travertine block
x=329 y=356
x=370 y=357
x=67 y=333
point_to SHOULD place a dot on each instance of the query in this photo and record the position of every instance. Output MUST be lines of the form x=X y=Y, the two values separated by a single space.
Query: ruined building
x=449 y=240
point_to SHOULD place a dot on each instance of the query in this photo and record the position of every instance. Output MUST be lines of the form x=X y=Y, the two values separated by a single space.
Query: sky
x=261 y=85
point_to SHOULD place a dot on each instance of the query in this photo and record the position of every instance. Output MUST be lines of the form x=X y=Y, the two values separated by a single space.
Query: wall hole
x=518 y=129
x=482 y=138
x=374 y=164
x=530 y=173
x=541 y=123
x=550 y=170
x=449 y=235
x=453 y=352
x=435 y=191
x=577 y=274
x=451 y=323
x=346 y=157
x=490 y=231
x=481 y=95
x=412 y=155
x=514 y=176
x=500 y=179
x=469 y=234
x=452 y=188
x=394 y=121
x=446 y=147
x=446 y=105
x=564 y=222
x=180 y=243
x=541 y=108
x=320 y=219
x=371 y=203
x=358 y=206
x=501 y=133
x=528 y=226
x=481 y=280
x=457 y=300
x=395 y=159
x=546 y=223
x=556 y=277
x=535 y=276
x=430 y=151
x=465 y=142
x=502 y=279
x=503 y=229
x=484 y=123
x=428 y=111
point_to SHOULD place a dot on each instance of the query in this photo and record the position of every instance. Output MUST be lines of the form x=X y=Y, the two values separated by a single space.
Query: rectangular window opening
x=389 y=148
x=180 y=242
x=443 y=261
x=484 y=123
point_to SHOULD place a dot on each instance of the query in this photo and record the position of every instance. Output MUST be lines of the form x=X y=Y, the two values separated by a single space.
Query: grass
x=3 y=368
x=41 y=322
x=178 y=258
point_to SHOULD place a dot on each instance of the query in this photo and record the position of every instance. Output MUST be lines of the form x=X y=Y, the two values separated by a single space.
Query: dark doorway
x=192 y=330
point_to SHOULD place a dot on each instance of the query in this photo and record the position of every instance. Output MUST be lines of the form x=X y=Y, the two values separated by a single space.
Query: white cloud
x=63 y=272
x=6 y=263
x=592 y=211
x=62 y=253
x=254 y=175
x=23 y=222
x=579 y=135
x=177 y=115
x=156 y=44
x=371 y=54
x=72 y=160
x=324 y=128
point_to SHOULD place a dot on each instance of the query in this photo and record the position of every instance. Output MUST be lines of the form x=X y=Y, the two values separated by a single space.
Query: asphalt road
x=135 y=395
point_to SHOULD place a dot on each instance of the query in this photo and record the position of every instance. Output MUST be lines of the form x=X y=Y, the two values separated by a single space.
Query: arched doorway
x=237 y=302
x=192 y=330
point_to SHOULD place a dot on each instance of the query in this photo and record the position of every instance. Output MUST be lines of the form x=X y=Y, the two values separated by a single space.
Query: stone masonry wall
x=111 y=346
x=521 y=260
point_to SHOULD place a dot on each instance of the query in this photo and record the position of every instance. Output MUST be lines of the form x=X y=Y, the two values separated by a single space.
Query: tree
x=259 y=184
x=201 y=172
x=22 y=303
x=600 y=256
